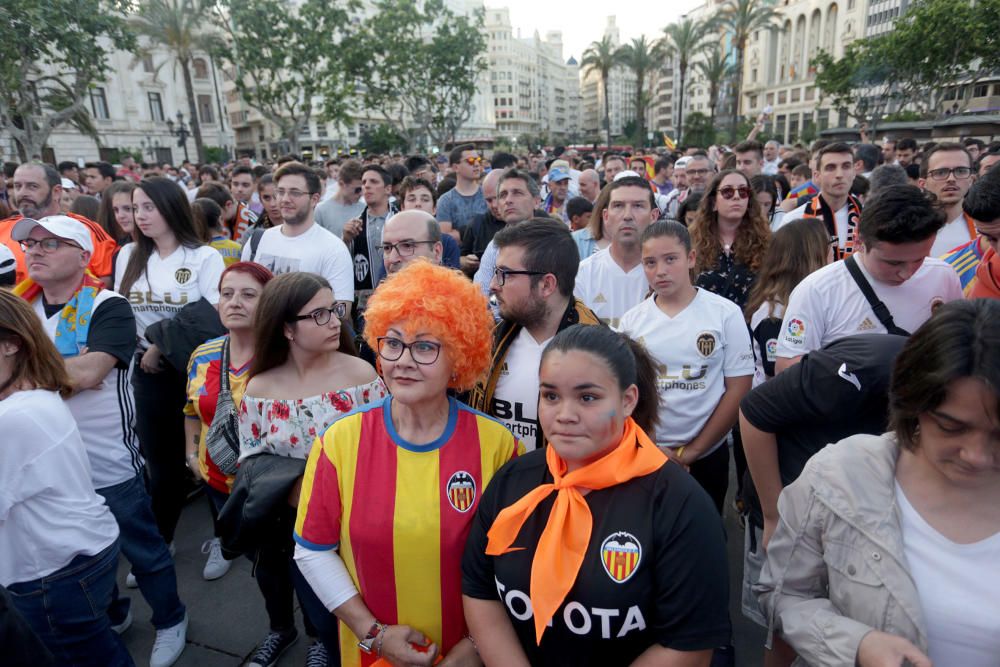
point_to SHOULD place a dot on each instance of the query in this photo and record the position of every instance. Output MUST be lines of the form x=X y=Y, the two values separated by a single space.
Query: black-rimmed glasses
x=404 y=248
x=501 y=274
x=424 y=352
x=322 y=316
x=961 y=173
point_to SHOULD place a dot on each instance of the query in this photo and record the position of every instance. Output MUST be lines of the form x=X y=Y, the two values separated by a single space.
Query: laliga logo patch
x=620 y=555
x=796 y=328
x=461 y=491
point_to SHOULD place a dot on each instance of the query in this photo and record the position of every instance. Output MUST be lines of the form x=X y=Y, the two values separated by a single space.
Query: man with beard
x=533 y=284
x=694 y=176
x=518 y=196
x=37 y=191
x=946 y=171
x=299 y=244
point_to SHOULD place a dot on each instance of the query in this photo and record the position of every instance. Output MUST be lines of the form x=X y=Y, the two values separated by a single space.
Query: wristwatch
x=369 y=640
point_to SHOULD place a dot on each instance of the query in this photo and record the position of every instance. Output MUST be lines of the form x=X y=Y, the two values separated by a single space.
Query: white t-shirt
x=515 y=399
x=316 y=251
x=828 y=305
x=105 y=415
x=952 y=235
x=695 y=351
x=605 y=287
x=839 y=221
x=49 y=511
x=770 y=351
x=170 y=283
x=959 y=591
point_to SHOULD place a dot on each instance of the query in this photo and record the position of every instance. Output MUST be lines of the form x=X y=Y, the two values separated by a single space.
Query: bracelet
x=380 y=639
x=473 y=642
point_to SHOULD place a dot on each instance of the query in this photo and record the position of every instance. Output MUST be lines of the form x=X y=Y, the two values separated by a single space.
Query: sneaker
x=216 y=566
x=124 y=625
x=272 y=647
x=169 y=644
x=130 y=581
x=317 y=655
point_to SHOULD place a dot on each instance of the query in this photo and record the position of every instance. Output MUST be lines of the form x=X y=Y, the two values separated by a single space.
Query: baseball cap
x=62 y=226
x=682 y=163
x=8 y=266
x=626 y=174
x=68 y=184
x=558 y=174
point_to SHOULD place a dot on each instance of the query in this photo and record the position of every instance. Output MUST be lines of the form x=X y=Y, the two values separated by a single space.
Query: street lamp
x=181 y=132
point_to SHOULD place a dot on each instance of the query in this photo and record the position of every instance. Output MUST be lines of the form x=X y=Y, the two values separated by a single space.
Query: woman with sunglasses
x=730 y=237
x=391 y=491
x=303 y=377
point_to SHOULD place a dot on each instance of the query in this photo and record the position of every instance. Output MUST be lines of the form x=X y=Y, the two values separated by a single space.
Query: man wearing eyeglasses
x=299 y=244
x=408 y=236
x=695 y=171
x=457 y=207
x=347 y=204
x=94 y=331
x=946 y=172
x=533 y=282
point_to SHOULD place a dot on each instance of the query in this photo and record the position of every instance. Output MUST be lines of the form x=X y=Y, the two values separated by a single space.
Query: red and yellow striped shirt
x=400 y=514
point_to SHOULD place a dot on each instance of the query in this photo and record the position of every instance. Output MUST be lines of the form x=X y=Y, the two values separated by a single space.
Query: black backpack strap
x=255 y=237
x=880 y=309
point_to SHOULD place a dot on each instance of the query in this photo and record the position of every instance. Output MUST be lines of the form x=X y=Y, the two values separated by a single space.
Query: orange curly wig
x=441 y=302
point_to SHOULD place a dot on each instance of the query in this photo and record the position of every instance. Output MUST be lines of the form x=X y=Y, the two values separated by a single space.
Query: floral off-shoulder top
x=288 y=427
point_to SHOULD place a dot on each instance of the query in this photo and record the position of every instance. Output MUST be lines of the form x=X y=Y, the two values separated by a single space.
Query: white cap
x=62 y=226
x=682 y=163
x=68 y=184
x=7 y=262
x=625 y=174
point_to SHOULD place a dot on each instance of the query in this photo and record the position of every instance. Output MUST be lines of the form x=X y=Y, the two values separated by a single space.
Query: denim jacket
x=836 y=568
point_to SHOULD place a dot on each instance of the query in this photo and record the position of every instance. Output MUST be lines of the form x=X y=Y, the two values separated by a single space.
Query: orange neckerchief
x=564 y=541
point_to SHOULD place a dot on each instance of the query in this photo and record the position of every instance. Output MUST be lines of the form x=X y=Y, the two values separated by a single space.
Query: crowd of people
x=484 y=410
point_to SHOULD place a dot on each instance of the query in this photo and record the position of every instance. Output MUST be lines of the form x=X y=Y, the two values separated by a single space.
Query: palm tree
x=641 y=57
x=685 y=39
x=741 y=18
x=716 y=68
x=179 y=27
x=601 y=57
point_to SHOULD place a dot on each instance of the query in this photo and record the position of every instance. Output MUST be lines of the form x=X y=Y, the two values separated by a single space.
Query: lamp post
x=181 y=132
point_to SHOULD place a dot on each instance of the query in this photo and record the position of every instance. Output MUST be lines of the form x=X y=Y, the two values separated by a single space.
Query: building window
x=823 y=119
x=753 y=101
x=200 y=68
x=99 y=104
x=981 y=90
x=205 y=109
x=321 y=130
x=753 y=75
x=796 y=92
x=782 y=96
x=156 y=107
x=147 y=64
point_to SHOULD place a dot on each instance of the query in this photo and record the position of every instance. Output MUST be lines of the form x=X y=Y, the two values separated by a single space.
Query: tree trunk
x=607 y=108
x=199 y=143
x=680 y=104
x=640 y=113
x=737 y=89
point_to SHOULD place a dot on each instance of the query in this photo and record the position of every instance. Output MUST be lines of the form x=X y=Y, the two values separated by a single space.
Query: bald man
x=482 y=228
x=590 y=185
x=409 y=235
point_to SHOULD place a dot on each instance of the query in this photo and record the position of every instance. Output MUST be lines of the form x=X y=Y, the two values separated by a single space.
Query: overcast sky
x=583 y=21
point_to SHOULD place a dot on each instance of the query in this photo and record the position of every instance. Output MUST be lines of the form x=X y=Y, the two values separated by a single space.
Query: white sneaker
x=130 y=581
x=216 y=566
x=124 y=625
x=169 y=644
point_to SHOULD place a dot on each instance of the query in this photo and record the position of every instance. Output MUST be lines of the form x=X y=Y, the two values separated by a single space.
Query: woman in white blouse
x=305 y=375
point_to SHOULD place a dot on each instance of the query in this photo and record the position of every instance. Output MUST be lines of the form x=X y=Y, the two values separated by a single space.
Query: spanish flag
x=669 y=143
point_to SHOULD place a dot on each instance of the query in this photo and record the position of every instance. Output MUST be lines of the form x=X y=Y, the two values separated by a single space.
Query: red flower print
x=274 y=428
x=341 y=401
x=255 y=430
x=281 y=411
x=294 y=440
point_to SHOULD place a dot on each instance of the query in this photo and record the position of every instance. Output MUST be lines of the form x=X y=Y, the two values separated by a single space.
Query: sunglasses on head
x=729 y=192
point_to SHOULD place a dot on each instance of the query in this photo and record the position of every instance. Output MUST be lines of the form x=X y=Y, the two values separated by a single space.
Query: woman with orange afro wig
x=390 y=491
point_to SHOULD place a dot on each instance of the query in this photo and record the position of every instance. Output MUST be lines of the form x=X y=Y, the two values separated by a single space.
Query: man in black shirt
x=834 y=392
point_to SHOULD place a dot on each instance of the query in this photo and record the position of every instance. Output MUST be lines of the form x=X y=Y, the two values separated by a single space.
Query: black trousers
x=159 y=405
x=712 y=472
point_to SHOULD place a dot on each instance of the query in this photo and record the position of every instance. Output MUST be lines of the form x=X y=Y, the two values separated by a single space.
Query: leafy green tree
x=685 y=39
x=417 y=65
x=51 y=54
x=741 y=18
x=383 y=138
x=285 y=56
x=716 y=68
x=182 y=27
x=698 y=130
x=602 y=57
x=640 y=56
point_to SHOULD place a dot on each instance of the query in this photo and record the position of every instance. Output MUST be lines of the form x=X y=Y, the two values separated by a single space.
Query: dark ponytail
x=628 y=360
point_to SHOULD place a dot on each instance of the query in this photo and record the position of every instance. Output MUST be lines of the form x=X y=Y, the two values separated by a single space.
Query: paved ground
x=227 y=619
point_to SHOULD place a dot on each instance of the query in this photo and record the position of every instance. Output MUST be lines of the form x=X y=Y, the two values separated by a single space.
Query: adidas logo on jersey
x=600 y=299
x=867 y=325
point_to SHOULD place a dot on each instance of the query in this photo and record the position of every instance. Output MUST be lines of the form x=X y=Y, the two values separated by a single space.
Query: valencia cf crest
x=183 y=275
x=461 y=491
x=706 y=343
x=620 y=555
